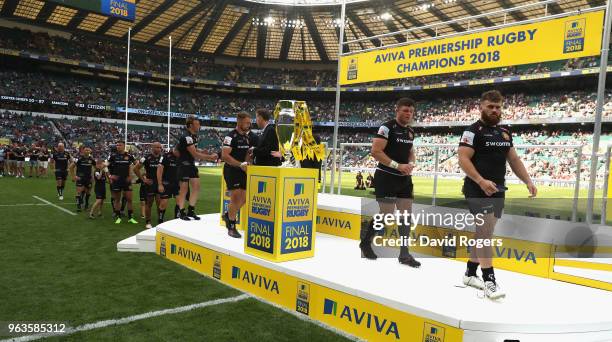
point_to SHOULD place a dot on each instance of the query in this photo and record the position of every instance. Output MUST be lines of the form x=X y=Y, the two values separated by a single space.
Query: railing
x=577 y=153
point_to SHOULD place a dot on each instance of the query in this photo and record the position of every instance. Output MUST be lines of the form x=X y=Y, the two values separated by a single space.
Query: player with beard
x=83 y=177
x=188 y=173
x=484 y=149
x=393 y=148
x=61 y=159
x=235 y=155
x=120 y=167
x=167 y=182
x=149 y=180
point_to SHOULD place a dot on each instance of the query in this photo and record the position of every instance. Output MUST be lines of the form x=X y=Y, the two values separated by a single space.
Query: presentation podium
x=281 y=211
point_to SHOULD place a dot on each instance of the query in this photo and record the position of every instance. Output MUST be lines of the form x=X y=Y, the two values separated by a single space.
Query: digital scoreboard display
x=124 y=9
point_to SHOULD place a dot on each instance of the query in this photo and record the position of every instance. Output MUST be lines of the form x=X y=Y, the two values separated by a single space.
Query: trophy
x=294 y=132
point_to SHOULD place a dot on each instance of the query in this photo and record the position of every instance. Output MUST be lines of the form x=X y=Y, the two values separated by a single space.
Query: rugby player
x=236 y=146
x=484 y=149
x=33 y=153
x=2 y=157
x=188 y=172
x=61 y=159
x=392 y=148
x=83 y=177
x=20 y=152
x=43 y=161
x=120 y=167
x=100 y=179
x=150 y=162
x=167 y=183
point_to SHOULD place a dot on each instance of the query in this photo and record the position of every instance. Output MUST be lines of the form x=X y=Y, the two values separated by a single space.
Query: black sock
x=61 y=189
x=59 y=192
x=177 y=210
x=368 y=234
x=488 y=274
x=87 y=200
x=129 y=214
x=117 y=213
x=78 y=201
x=471 y=268
x=160 y=215
x=190 y=209
x=123 y=203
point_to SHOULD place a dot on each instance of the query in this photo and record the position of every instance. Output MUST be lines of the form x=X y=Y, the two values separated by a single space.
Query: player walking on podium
x=236 y=146
x=392 y=148
x=484 y=149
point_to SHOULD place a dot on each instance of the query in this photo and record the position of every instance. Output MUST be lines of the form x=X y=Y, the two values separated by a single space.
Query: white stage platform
x=535 y=309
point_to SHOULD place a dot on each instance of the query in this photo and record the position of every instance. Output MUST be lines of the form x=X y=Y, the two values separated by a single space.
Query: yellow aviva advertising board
x=281 y=212
x=555 y=39
x=366 y=319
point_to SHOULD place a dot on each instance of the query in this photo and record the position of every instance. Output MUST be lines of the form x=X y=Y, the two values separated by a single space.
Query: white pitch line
x=23 y=205
x=54 y=205
x=130 y=319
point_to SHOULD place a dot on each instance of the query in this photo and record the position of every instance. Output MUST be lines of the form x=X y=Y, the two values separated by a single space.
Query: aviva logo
x=298 y=189
x=361 y=318
x=186 y=253
x=261 y=187
x=255 y=279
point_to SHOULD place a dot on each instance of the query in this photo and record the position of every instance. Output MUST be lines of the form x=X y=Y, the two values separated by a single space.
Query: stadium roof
x=257 y=29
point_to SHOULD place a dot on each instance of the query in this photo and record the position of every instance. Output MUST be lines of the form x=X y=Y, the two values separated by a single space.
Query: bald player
x=150 y=162
x=61 y=159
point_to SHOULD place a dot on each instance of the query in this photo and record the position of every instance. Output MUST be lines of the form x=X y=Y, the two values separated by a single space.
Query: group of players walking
x=13 y=160
x=483 y=151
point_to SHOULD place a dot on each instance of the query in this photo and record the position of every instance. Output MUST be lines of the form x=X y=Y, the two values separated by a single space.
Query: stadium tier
x=305 y=170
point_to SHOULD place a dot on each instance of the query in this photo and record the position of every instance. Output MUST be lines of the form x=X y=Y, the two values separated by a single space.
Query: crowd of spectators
x=576 y=105
x=187 y=64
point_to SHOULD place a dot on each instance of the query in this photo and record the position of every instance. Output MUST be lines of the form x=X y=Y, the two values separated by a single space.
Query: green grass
x=551 y=200
x=58 y=267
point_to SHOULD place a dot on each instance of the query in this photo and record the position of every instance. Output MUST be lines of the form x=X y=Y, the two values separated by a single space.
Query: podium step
x=143 y=242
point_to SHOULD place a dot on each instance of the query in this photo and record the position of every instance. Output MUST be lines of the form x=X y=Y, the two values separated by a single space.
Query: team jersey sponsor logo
x=384 y=131
x=227 y=141
x=468 y=138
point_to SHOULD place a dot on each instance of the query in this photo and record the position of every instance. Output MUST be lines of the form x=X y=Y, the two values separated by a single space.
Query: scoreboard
x=124 y=9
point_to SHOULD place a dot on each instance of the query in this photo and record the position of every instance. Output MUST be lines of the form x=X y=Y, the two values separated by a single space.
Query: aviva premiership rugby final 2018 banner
x=556 y=39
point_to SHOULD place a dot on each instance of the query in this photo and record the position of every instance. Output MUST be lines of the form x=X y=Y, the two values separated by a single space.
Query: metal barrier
x=578 y=154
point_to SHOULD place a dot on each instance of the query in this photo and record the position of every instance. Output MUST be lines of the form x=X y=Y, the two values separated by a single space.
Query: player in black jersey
x=392 y=148
x=43 y=161
x=61 y=159
x=83 y=177
x=167 y=182
x=188 y=172
x=20 y=153
x=120 y=167
x=150 y=162
x=100 y=179
x=484 y=149
x=235 y=155
x=33 y=153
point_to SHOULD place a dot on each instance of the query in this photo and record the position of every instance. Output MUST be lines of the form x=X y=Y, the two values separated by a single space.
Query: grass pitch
x=59 y=267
